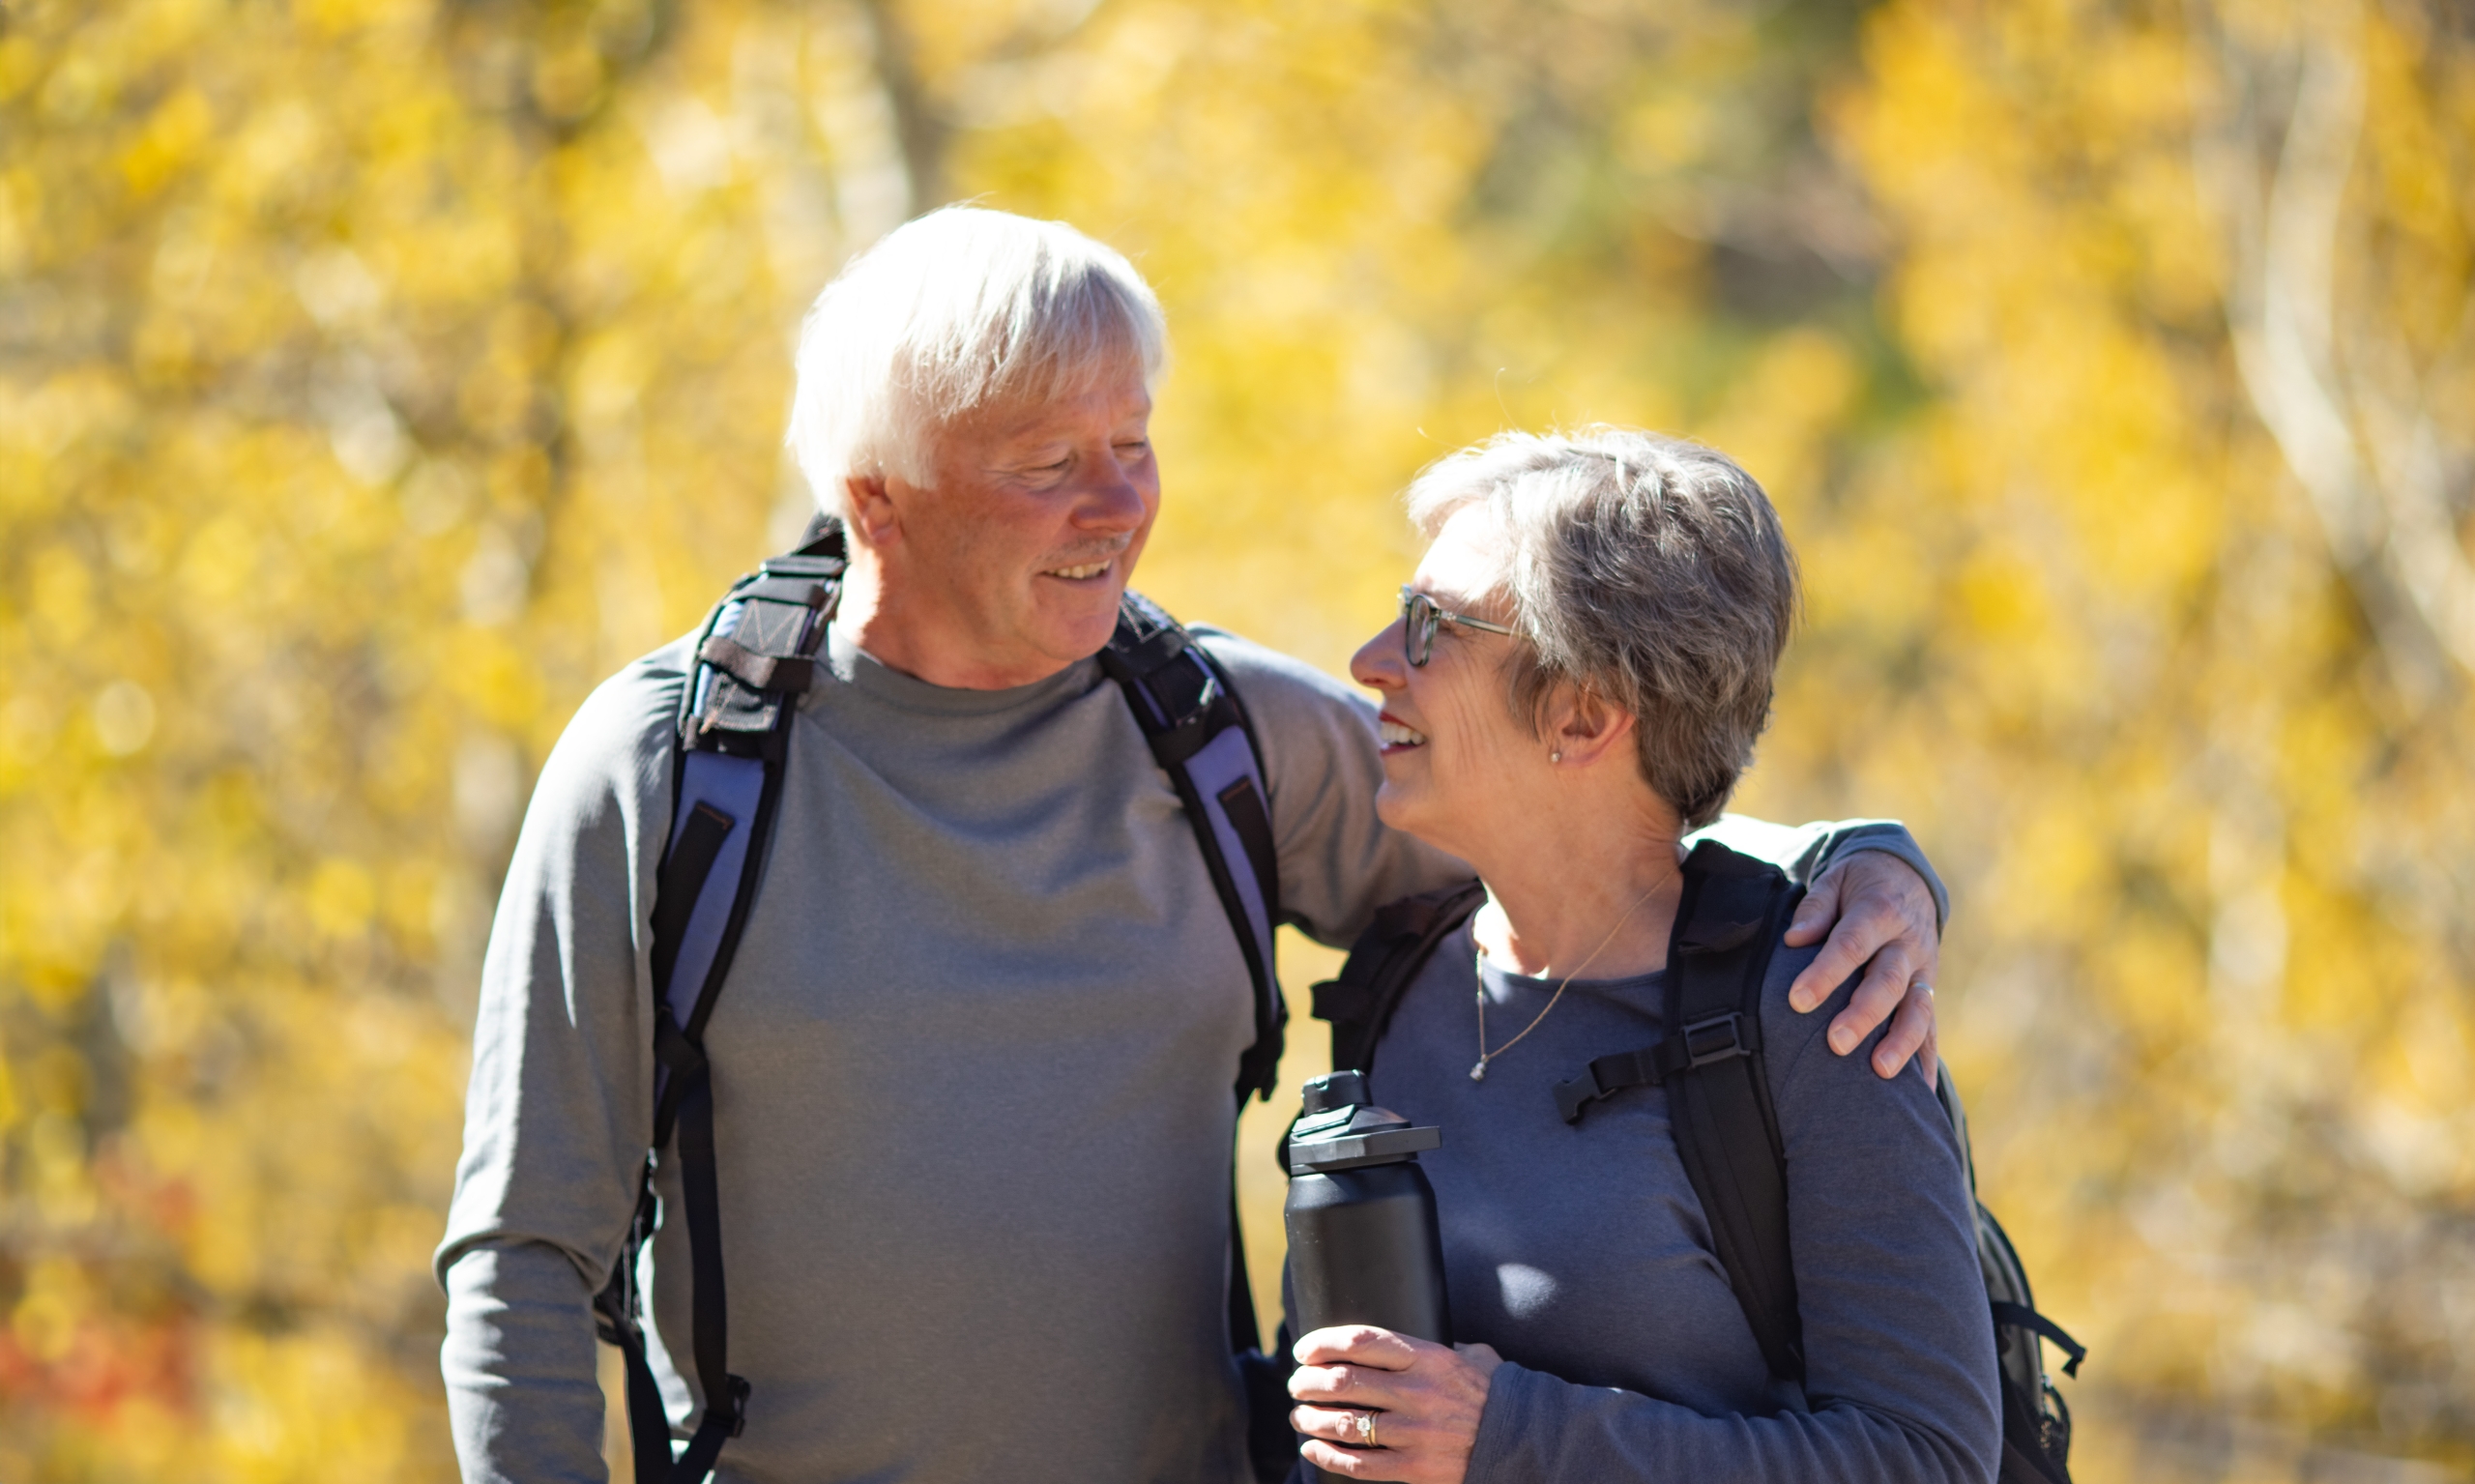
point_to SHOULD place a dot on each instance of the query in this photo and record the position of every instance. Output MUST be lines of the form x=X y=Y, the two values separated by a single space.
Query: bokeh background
x=375 y=375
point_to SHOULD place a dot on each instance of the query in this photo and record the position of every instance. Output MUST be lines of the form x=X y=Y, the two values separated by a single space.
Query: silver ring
x=1920 y=984
x=1366 y=1430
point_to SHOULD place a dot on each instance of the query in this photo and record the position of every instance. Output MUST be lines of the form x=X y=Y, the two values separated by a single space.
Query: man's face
x=1008 y=563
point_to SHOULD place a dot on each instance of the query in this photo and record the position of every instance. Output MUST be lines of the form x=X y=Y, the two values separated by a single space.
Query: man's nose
x=1111 y=499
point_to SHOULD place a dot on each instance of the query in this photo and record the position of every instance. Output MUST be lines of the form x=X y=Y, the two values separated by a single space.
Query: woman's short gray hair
x=960 y=308
x=1650 y=571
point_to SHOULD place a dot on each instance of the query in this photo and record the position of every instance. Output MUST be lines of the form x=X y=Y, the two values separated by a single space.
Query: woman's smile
x=1398 y=736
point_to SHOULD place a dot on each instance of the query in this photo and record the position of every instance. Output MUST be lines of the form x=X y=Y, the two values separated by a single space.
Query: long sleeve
x=559 y=1099
x=520 y=1364
x=1804 y=850
x=1900 y=1366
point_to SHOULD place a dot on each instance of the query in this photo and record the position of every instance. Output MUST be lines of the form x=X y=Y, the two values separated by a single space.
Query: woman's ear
x=1583 y=727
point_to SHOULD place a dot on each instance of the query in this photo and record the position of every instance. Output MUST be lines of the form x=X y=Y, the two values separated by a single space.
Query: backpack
x=1729 y=921
x=755 y=655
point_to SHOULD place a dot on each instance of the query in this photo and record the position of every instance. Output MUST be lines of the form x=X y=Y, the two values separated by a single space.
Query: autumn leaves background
x=376 y=376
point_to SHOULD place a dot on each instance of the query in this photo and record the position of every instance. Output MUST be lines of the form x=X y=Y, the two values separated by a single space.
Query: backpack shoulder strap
x=1203 y=738
x=1386 y=956
x=754 y=656
x=1727 y=925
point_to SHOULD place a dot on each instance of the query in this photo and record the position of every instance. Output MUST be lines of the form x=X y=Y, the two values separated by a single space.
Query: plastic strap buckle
x=1719 y=1039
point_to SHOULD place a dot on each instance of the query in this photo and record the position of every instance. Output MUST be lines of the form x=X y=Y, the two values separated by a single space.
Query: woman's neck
x=1604 y=901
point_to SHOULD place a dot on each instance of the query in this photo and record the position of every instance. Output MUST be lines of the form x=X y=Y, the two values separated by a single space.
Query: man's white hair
x=955 y=310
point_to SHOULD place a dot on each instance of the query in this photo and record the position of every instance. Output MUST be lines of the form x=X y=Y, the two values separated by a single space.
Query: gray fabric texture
x=1581 y=1252
x=972 y=1080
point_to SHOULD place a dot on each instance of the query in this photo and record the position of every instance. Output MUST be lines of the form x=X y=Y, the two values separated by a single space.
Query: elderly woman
x=1583 y=661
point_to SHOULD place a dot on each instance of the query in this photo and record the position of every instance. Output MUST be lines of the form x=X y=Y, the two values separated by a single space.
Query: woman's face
x=1450 y=743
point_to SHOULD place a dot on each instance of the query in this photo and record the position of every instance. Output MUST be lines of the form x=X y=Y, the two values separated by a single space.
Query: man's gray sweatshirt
x=973 y=1076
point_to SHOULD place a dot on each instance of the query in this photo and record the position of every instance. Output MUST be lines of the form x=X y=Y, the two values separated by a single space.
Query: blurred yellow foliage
x=376 y=376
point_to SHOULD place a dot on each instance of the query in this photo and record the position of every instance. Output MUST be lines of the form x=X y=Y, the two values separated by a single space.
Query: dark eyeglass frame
x=1422 y=616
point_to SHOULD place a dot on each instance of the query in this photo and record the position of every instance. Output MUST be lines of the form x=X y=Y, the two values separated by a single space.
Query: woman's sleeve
x=1900 y=1374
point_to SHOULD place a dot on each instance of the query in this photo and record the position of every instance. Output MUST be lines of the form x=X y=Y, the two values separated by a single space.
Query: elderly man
x=970 y=1085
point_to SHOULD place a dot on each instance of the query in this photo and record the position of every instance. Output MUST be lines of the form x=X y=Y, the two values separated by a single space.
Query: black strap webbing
x=1730 y=915
x=1243 y=803
x=1182 y=703
x=1358 y=1004
x=2020 y=1315
x=682 y=880
x=746 y=678
x=1732 y=912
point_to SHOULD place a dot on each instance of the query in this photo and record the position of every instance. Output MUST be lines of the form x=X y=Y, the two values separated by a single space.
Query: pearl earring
x=1554 y=757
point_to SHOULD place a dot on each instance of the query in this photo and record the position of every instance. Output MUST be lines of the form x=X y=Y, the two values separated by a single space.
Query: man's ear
x=874 y=517
x=1584 y=727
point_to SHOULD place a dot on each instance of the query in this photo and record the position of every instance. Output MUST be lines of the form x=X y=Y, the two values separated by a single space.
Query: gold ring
x=1366 y=1430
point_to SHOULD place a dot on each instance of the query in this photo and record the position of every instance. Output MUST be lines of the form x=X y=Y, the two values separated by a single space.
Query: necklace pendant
x=1478 y=1073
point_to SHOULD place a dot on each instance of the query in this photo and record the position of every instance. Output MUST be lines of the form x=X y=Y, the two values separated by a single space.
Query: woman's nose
x=1378 y=663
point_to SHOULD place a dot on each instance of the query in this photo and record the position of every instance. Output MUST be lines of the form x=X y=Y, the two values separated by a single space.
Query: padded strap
x=1733 y=911
x=756 y=654
x=1405 y=934
x=1202 y=738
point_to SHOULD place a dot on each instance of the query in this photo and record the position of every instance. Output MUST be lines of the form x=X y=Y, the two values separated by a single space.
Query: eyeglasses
x=1419 y=616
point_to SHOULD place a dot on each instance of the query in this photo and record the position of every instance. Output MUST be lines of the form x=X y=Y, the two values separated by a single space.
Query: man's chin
x=1080 y=617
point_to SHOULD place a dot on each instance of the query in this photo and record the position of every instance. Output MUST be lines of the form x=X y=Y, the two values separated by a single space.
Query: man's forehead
x=1114 y=399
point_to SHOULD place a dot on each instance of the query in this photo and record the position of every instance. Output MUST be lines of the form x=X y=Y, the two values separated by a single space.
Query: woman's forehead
x=1467 y=560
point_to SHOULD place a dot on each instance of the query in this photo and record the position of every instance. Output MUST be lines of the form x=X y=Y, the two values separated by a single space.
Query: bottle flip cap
x=1342 y=1129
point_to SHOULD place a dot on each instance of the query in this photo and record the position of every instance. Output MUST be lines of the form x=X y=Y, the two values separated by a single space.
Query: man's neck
x=922 y=641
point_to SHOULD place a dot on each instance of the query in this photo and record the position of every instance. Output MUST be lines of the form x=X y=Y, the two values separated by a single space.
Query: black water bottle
x=1363 y=1246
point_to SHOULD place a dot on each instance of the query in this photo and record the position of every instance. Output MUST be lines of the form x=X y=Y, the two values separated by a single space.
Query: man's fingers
x=1912 y=1031
x=1877 y=994
x=1857 y=937
x=1814 y=915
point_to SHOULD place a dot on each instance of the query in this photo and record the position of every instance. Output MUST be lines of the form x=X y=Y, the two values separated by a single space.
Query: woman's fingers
x=1404 y=1448
x=1345 y=1385
x=1350 y=1463
x=1384 y=1349
x=1423 y=1402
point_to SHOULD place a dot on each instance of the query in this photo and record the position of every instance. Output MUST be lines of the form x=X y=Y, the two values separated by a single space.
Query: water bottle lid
x=1337 y=1089
x=1341 y=1129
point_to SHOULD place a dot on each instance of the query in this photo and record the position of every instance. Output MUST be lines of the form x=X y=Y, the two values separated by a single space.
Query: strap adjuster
x=737 y=1408
x=1719 y=1039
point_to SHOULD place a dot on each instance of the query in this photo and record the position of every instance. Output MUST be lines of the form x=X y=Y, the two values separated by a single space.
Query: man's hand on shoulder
x=1880 y=914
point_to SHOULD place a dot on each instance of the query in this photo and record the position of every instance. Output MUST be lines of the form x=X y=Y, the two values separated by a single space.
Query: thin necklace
x=1478 y=1073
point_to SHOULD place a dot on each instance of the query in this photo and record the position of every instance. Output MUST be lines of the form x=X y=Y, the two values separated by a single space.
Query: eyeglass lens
x=1419 y=619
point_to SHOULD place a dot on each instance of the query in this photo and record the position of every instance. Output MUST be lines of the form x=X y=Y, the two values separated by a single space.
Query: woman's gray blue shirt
x=1581 y=1253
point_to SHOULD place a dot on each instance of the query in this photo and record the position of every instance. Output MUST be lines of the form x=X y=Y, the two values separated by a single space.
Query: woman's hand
x=1424 y=1400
